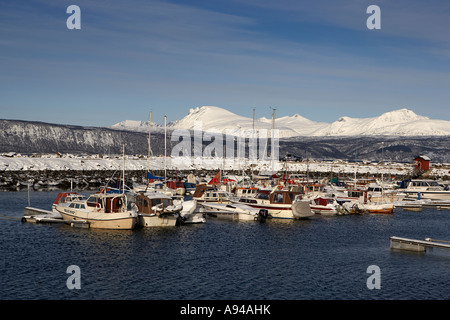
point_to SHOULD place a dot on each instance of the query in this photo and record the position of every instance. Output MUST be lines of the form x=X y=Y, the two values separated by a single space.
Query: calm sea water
x=323 y=258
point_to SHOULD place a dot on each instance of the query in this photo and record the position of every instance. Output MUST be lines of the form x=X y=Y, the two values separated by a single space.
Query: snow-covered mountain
x=134 y=125
x=402 y=122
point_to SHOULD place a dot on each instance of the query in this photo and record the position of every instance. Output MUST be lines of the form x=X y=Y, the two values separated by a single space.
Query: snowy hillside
x=402 y=122
x=36 y=137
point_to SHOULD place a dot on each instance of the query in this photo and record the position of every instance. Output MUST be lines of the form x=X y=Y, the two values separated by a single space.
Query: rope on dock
x=9 y=217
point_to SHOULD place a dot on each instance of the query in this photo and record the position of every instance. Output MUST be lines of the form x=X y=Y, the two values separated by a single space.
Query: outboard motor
x=263 y=214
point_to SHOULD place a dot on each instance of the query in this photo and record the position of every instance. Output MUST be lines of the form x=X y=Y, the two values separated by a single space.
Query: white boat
x=234 y=211
x=208 y=193
x=101 y=211
x=426 y=189
x=66 y=197
x=378 y=193
x=281 y=204
x=373 y=208
x=157 y=210
x=327 y=206
x=189 y=214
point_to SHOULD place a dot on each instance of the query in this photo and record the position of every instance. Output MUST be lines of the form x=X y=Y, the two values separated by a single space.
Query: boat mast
x=272 y=151
x=123 y=169
x=253 y=117
x=165 y=148
x=149 y=143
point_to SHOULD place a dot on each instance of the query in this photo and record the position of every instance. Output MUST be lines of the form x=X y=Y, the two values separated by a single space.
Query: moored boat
x=211 y=194
x=233 y=211
x=426 y=189
x=101 y=211
x=281 y=204
x=66 y=197
x=157 y=210
x=190 y=214
x=373 y=208
x=327 y=206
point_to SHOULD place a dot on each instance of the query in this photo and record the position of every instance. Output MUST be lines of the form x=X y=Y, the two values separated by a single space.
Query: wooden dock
x=417 y=245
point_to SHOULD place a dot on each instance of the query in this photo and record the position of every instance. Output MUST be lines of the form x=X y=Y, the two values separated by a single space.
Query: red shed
x=422 y=163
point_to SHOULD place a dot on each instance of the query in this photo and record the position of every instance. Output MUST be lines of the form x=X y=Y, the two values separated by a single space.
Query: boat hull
x=102 y=222
x=232 y=211
x=152 y=220
x=281 y=211
x=247 y=217
x=378 y=209
x=323 y=210
x=193 y=218
x=429 y=195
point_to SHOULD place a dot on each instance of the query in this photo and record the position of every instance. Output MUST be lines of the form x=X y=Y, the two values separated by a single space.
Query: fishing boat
x=100 y=211
x=281 y=204
x=157 y=210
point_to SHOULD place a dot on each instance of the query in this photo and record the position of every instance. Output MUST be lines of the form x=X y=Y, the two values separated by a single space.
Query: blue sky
x=316 y=58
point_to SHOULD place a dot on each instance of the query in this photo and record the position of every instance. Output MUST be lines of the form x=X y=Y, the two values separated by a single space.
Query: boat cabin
x=356 y=193
x=246 y=192
x=210 y=193
x=314 y=188
x=111 y=203
x=283 y=196
x=322 y=201
x=148 y=203
x=68 y=196
x=425 y=185
x=175 y=184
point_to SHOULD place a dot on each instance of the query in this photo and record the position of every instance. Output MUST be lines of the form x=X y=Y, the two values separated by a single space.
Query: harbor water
x=323 y=258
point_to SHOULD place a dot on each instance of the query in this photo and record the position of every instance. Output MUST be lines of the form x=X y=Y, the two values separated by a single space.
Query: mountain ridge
x=400 y=122
x=30 y=137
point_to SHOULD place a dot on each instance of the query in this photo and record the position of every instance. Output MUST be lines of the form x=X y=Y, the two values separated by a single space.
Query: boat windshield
x=165 y=202
x=425 y=184
x=92 y=201
x=262 y=196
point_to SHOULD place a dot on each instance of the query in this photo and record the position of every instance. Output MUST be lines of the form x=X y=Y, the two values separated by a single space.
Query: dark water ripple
x=323 y=258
